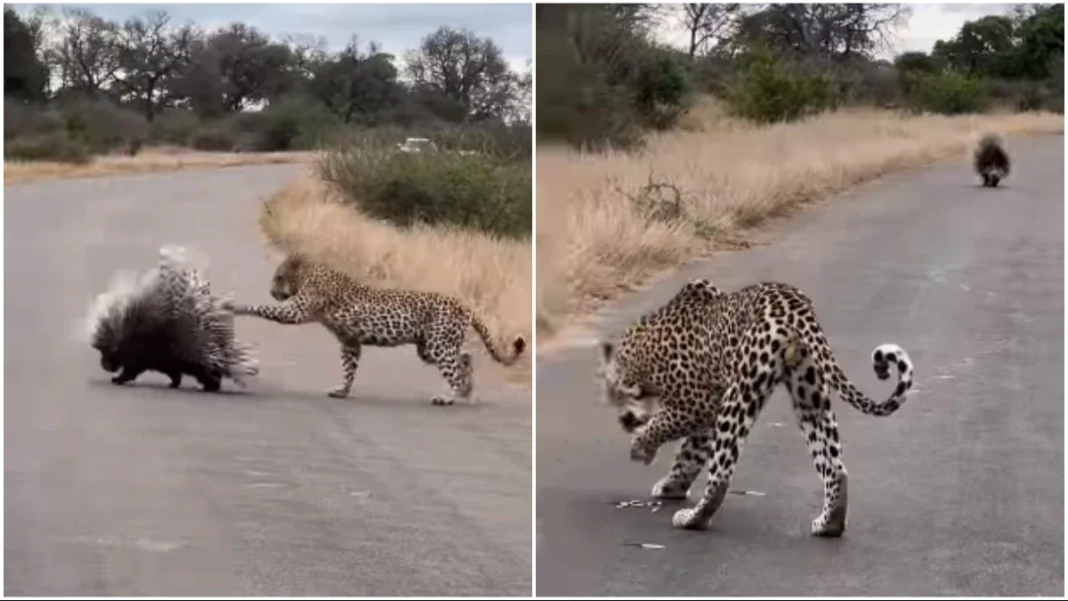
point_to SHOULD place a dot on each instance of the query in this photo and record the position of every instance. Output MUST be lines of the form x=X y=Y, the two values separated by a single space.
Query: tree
x=983 y=47
x=708 y=24
x=1041 y=48
x=828 y=32
x=151 y=55
x=87 y=55
x=307 y=55
x=355 y=84
x=465 y=68
x=25 y=74
x=918 y=62
x=250 y=68
x=520 y=113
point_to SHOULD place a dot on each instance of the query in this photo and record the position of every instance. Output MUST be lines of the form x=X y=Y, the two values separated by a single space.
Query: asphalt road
x=277 y=490
x=959 y=493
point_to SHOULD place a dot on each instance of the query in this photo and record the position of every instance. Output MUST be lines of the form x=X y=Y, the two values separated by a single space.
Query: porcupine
x=166 y=319
x=991 y=160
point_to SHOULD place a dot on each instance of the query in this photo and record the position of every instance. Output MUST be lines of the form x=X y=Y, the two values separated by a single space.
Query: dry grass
x=492 y=276
x=593 y=241
x=149 y=160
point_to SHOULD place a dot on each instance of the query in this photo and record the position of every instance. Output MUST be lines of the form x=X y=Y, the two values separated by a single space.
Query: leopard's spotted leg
x=691 y=458
x=741 y=406
x=445 y=349
x=812 y=405
x=350 y=362
x=666 y=425
x=457 y=371
x=293 y=311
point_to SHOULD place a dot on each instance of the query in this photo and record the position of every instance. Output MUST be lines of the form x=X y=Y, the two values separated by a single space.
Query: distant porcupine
x=167 y=320
x=991 y=161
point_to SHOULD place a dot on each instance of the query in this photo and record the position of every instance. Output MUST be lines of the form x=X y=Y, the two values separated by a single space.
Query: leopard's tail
x=883 y=357
x=517 y=346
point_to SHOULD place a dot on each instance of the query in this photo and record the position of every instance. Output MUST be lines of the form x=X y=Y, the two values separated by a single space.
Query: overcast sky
x=928 y=24
x=397 y=27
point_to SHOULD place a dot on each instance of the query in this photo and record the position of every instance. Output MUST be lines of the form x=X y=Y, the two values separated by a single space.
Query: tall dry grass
x=148 y=161
x=491 y=275
x=593 y=241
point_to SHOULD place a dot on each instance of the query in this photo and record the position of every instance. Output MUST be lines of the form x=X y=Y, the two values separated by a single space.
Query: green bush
x=577 y=105
x=949 y=93
x=291 y=123
x=766 y=89
x=495 y=139
x=604 y=81
x=214 y=139
x=55 y=146
x=102 y=125
x=477 y=191
x=22 y=119
x=174 y=126
x=663 y=86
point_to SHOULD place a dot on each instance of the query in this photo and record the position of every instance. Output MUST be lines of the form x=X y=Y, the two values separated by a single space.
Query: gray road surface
x=959 y=493
x=145 y=491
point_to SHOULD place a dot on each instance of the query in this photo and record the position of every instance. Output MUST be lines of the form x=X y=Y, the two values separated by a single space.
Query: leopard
x=360 y=315
x=702 y=366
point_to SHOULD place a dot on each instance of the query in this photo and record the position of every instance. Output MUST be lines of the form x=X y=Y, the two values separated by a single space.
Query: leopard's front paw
x=340 y=392
x=688 y=519
x=641 y=453
x=669 y=488
x=441 y=400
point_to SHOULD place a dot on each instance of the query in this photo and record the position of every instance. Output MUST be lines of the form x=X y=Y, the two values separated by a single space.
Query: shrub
x=54 y=146
x=22 y=119
x=476 y=191
x=663 y=86
x=604 y=81
x=768 y=90
x=102 y=125
x=509 y=143
x=576 y=104
x=949 y=93
x=174 y=126
x=290 y=123
x=214 y=139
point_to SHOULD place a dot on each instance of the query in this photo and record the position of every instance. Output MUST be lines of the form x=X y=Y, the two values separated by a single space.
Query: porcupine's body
x=167 y=320
x=991 y=161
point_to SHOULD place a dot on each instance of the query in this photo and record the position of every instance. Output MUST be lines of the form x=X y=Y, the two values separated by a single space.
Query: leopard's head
x=623 y=388
x=289 y=276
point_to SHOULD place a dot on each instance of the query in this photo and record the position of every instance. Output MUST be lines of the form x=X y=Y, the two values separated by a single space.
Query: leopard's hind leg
x=810 y=394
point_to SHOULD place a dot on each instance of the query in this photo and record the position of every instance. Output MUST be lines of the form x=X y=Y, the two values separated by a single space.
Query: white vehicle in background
x=417 y=145
x=426 y=144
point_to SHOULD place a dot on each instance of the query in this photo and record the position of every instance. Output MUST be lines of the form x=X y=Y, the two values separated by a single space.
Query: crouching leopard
x=701 y=368
x=360 y=315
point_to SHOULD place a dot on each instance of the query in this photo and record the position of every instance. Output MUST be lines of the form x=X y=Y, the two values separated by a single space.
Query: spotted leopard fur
x=359 y=315
x=701 y=368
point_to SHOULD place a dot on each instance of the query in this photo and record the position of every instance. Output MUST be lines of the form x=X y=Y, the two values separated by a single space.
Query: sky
x=928 y=24
x=396 y=27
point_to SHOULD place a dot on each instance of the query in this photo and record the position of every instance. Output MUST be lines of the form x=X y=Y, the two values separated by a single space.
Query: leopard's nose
x=628 y=421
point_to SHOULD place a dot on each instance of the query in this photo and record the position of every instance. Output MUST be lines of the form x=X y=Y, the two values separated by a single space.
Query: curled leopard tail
x=882 y=358
x=517 y=346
